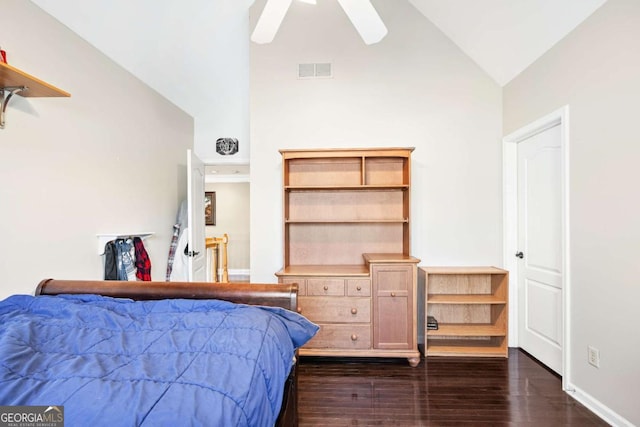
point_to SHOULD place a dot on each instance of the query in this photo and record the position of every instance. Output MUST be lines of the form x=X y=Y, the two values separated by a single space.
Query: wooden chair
x=214 y=243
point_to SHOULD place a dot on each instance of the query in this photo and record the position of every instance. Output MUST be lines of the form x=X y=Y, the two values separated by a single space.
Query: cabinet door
x=393 y=313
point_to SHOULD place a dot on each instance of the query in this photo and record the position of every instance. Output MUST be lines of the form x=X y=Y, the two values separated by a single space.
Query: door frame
x=510 y=224
x=228 y=174
x=195 y=215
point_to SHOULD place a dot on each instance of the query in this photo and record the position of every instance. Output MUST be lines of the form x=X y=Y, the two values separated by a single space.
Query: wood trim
x=346 y=152
x=389 y=353
x=277 y=295
x=13 y=77
x=355 y=270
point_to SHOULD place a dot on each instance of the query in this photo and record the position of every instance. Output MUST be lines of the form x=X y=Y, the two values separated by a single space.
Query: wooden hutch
x=346 y=244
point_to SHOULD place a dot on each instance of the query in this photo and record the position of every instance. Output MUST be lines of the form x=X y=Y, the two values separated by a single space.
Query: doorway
x=230 y=184
x=536 y=227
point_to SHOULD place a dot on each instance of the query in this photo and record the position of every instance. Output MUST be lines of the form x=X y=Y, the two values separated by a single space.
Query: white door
x=195 y=218
x=539 y=253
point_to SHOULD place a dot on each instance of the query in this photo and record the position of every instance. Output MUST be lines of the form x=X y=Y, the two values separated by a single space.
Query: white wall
x=202 y=67
x=415 y=88
x=595 y=70
x=227 y=115
x=110 y=159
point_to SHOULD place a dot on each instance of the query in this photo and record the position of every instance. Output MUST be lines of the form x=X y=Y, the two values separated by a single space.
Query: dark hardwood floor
x=517 y=391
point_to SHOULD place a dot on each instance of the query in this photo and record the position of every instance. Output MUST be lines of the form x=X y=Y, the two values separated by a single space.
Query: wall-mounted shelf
x=104 y=238
x=15 y=81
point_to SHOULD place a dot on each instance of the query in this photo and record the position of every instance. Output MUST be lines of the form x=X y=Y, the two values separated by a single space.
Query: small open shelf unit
x=471 y=307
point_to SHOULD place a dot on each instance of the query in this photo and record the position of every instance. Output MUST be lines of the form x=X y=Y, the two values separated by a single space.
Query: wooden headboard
x=276 y=295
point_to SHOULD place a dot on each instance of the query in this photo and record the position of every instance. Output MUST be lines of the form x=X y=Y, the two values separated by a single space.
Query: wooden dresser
x=346 y=244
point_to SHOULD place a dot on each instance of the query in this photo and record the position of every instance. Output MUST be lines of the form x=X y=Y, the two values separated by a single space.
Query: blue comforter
x=116 y=362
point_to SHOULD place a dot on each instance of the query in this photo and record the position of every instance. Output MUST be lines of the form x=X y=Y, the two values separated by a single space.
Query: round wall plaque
x=227 y=146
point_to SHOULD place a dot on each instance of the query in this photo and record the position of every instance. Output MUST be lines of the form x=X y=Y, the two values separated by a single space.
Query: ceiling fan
x=362 y=14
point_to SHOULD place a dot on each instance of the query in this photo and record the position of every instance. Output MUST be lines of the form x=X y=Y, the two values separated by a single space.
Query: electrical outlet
x=593 y=356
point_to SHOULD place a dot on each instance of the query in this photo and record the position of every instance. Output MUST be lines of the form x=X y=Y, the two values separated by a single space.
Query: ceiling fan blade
x=270 y=20
x=364 y=17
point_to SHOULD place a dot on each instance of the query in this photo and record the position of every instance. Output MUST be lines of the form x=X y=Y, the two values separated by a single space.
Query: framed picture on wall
x=210 y=208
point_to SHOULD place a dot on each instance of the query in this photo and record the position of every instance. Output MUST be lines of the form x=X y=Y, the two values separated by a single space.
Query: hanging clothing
x=180 y=271
x=172 y=250
x=126 y=259
x=181 y=224
x=143 y=263
x=110 y=261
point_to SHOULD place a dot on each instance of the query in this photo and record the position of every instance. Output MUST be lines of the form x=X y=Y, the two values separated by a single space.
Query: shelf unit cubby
x=471 y=307
x=341 y=203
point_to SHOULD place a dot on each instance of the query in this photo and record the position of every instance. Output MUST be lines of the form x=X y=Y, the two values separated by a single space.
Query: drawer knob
x=299 y=310
x=354 y=337
x=393 y=294
x=359 y=287
x=326 y=288
x=354 y=311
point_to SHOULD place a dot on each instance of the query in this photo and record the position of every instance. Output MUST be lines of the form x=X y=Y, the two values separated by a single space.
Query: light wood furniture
x=15 y=81
x=471 y=307
x=346 y=245
x=214 y=244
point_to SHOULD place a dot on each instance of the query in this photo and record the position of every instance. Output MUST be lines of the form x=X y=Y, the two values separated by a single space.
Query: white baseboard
x=238 y=272
x=232 y=272
x=597 y=407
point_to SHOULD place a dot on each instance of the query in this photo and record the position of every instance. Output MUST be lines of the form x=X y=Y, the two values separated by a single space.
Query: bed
x=154 y=353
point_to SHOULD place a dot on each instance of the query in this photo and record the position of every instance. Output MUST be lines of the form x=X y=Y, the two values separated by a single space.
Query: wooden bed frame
x=274 y=295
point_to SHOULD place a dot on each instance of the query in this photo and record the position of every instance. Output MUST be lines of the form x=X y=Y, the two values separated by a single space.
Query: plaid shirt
x=143 y=263
x=172 y=250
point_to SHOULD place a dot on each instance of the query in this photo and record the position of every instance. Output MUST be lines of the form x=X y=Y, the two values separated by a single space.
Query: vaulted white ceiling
x=179 y=47
x=506 y=36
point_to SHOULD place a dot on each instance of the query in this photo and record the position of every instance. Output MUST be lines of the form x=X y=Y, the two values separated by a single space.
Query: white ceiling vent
x=313 y=71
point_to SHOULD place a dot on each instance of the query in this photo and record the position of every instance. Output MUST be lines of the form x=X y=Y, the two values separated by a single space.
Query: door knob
x=520 y=255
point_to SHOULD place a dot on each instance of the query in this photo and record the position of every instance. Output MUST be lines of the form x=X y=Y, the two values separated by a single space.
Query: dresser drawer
x=326 y=287
x=301 y=281
x=335 y=310
x=342 y=337
x=359 y=287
